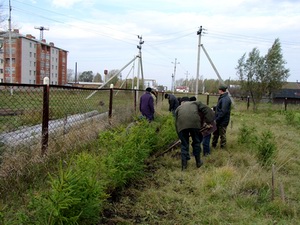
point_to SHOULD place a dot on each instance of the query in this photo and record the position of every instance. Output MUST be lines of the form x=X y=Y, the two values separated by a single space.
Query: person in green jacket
x=189 y=118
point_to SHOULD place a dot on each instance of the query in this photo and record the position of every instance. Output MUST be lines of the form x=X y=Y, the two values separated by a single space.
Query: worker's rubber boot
x=183 y=164
x=199 y=162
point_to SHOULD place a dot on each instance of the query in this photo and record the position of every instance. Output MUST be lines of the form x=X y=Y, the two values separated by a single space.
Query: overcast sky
x=103 y=35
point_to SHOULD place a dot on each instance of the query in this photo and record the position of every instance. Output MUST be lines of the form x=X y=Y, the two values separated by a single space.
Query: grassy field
x=253 y=181
x=232 y=187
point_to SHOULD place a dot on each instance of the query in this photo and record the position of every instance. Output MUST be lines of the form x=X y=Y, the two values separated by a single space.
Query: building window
x=30 y=54
x=30 y=72
x=34 y=55
x=30 y=44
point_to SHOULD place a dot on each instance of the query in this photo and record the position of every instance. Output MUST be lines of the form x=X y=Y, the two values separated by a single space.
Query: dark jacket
x=223 y=109
x=147 y=105
x=173 y=102
x=187 y=115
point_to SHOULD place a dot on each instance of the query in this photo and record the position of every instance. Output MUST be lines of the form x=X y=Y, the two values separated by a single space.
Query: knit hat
x=149 y=89
x=222 y=87
x=185 y=99
x=193 y=98
x=166 y=95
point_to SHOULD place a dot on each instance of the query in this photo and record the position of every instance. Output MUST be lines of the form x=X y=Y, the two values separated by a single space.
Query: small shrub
x=290 y=116
x=247 y=135
x=76 y=195
x=266 y=148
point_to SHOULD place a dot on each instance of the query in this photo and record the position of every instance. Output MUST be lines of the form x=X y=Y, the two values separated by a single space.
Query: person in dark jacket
x=147 y=104
x=206 y=134
x=173 y=102
x=222 y=111
x=188 y=123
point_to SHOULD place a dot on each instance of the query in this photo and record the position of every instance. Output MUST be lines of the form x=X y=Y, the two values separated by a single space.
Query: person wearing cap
x=173 y=102
x=222 y=116
x=147 y=104
x=188 y=122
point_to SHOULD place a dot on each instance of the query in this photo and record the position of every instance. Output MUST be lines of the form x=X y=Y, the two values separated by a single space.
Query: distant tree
x=211 y=85
x=70 y=75
x=276 y=73
x=86 y=76
x=261 y=76
x=98 y=78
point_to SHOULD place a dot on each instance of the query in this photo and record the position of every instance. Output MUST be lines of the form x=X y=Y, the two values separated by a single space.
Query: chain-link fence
x=41 y=116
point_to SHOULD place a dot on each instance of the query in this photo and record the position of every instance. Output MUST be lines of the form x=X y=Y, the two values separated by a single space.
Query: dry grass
x=231 y=187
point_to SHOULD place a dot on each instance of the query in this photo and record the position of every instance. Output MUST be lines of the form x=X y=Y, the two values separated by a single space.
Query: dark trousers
x=206 y=144
x=184 y=137
x=219 y=132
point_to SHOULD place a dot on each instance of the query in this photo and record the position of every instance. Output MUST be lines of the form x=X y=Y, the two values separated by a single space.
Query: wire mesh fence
x=46 y=117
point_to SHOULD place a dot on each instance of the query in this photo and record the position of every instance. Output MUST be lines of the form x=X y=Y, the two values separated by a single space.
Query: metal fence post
x=285 y=104
x=248 y=102
x=45 y=122
x=110 y=101
x=135 y=96
x=207 y=99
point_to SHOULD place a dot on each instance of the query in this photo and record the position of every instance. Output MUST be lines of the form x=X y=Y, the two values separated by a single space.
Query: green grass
x=232 y=187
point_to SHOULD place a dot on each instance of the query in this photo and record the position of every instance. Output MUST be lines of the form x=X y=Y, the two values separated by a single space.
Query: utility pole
x=10 y=46
x=173 y=83
x=186 y=79
x=140 y=66
x=199 y=32
x=41 y=28
x=216 y=71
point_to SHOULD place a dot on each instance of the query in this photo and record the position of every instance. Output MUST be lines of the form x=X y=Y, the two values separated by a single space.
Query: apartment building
x=1 y=58
x=32 y=60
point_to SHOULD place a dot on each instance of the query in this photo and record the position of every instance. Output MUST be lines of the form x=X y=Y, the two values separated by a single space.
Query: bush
x=76 y=195
x=290 y=116
x=77 y=192
x=266 y=147
x=247 y=135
